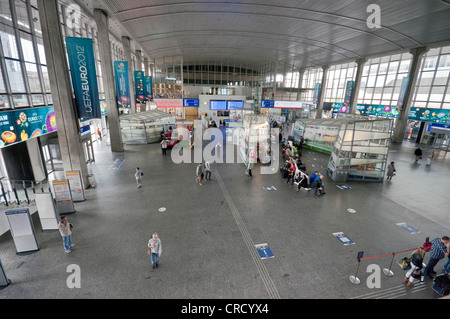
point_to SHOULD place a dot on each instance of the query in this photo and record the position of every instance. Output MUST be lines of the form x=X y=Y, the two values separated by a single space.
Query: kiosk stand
x=4 y=281
x=22 y=230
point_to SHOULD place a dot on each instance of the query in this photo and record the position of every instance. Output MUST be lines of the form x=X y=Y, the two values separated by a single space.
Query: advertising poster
x=80 y=52
x=76 y=186
x=122 y=84
x=33 y=122
x=139 y=86
x=63 y=196
x=8 y=133
x=402 y=95
x=348 y=92
x=434 y=115
x=317 y=89
x=148 y=87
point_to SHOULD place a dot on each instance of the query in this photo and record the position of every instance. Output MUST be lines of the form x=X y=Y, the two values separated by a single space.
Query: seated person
x=303 y=183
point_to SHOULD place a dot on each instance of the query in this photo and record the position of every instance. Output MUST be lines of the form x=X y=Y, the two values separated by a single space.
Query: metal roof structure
x=299 y=33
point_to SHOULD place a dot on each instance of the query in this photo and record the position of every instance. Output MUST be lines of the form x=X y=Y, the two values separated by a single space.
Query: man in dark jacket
x=418 y=153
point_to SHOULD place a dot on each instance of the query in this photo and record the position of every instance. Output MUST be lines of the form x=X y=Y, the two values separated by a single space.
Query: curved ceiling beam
x=227 y=48
x=126 y=21
x=250 y=35
x=270 y=6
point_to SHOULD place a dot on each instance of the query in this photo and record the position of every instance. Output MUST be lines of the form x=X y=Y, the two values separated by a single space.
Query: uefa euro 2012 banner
x=20 y=125
x=80 y=52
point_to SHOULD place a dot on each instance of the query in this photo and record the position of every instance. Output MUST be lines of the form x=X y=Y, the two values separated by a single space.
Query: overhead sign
x=348 y=92
x=122 y=84
x=80 y=52
x=289 y=104
x=267 y=104
x=191 y=102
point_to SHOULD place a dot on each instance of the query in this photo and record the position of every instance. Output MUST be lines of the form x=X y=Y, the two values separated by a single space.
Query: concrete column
x=359 y=68
x=301 y=72
x=138 y=60
x=72 y=151
x=146 y=66
x=275 y=67
x=127 y=56
x=402 y=120
x=115 y=134
x=319 y=110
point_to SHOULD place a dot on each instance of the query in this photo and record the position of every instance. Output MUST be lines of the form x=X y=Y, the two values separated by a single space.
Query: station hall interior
x=92 y=93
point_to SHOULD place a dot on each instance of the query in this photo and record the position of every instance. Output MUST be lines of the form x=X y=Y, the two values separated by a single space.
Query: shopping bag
x=404 y=263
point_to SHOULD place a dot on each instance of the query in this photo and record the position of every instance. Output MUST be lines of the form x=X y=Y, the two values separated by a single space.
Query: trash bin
x=91 y=180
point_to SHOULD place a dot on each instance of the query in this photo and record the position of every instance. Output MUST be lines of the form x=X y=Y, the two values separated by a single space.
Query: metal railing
x=18 y=192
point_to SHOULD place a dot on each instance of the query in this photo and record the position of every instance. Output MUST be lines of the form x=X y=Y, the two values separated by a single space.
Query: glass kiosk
x=360 y=151
x=255 y=138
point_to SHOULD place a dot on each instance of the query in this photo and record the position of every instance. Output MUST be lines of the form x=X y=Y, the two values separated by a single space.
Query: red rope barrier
x=398 y=252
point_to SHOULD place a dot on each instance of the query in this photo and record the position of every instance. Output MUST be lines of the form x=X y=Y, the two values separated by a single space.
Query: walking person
x=99 y=132
x=199 y=172
x=65 y=229
x=415 y=272
x=207 y=170
x=439 y=249
x=390 y=171
x=138 y=176
x=164 y=146
x=154 y=250
x=418 y=154
x=249 y=169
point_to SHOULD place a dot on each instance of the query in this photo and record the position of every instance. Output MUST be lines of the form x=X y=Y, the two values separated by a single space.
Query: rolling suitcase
x=441 y=285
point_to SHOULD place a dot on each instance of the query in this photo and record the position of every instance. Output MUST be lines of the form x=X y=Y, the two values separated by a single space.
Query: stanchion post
x=387 y=271
x=354 y=279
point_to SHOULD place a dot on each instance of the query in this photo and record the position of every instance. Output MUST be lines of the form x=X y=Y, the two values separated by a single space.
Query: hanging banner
x=317 y=89
x=348 y=92
x=148 y=87
x=139 y=86
x=122 y=84
x=402 y=95
x=80 y=52
x=76 y=186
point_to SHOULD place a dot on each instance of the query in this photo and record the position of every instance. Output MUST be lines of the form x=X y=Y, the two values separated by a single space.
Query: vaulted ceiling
x=258 y=32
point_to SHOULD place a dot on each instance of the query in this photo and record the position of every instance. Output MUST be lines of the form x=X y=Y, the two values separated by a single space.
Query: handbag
x=149 y=252
x=404 y=263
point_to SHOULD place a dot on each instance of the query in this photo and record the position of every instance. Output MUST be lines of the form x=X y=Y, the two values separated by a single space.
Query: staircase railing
x=18 y=192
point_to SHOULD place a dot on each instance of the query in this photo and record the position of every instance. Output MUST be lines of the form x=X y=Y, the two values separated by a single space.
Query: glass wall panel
x=15 y=76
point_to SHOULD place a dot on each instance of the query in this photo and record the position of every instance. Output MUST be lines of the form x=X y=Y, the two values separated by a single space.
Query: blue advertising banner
x=139 y=86
x=80 y=52
x=148 y=87
x=402 y=95
x=122 y=84
x=434 y=115
x=317 y=89
x=348 y=92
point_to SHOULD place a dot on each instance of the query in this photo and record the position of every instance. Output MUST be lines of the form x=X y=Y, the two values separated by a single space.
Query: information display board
x=76 y=186
x=22 y=230
x=218 y=105
x=63 y=197
x=47 y=211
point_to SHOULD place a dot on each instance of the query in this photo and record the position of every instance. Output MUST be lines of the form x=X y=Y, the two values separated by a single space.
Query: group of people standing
x=438 y=249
